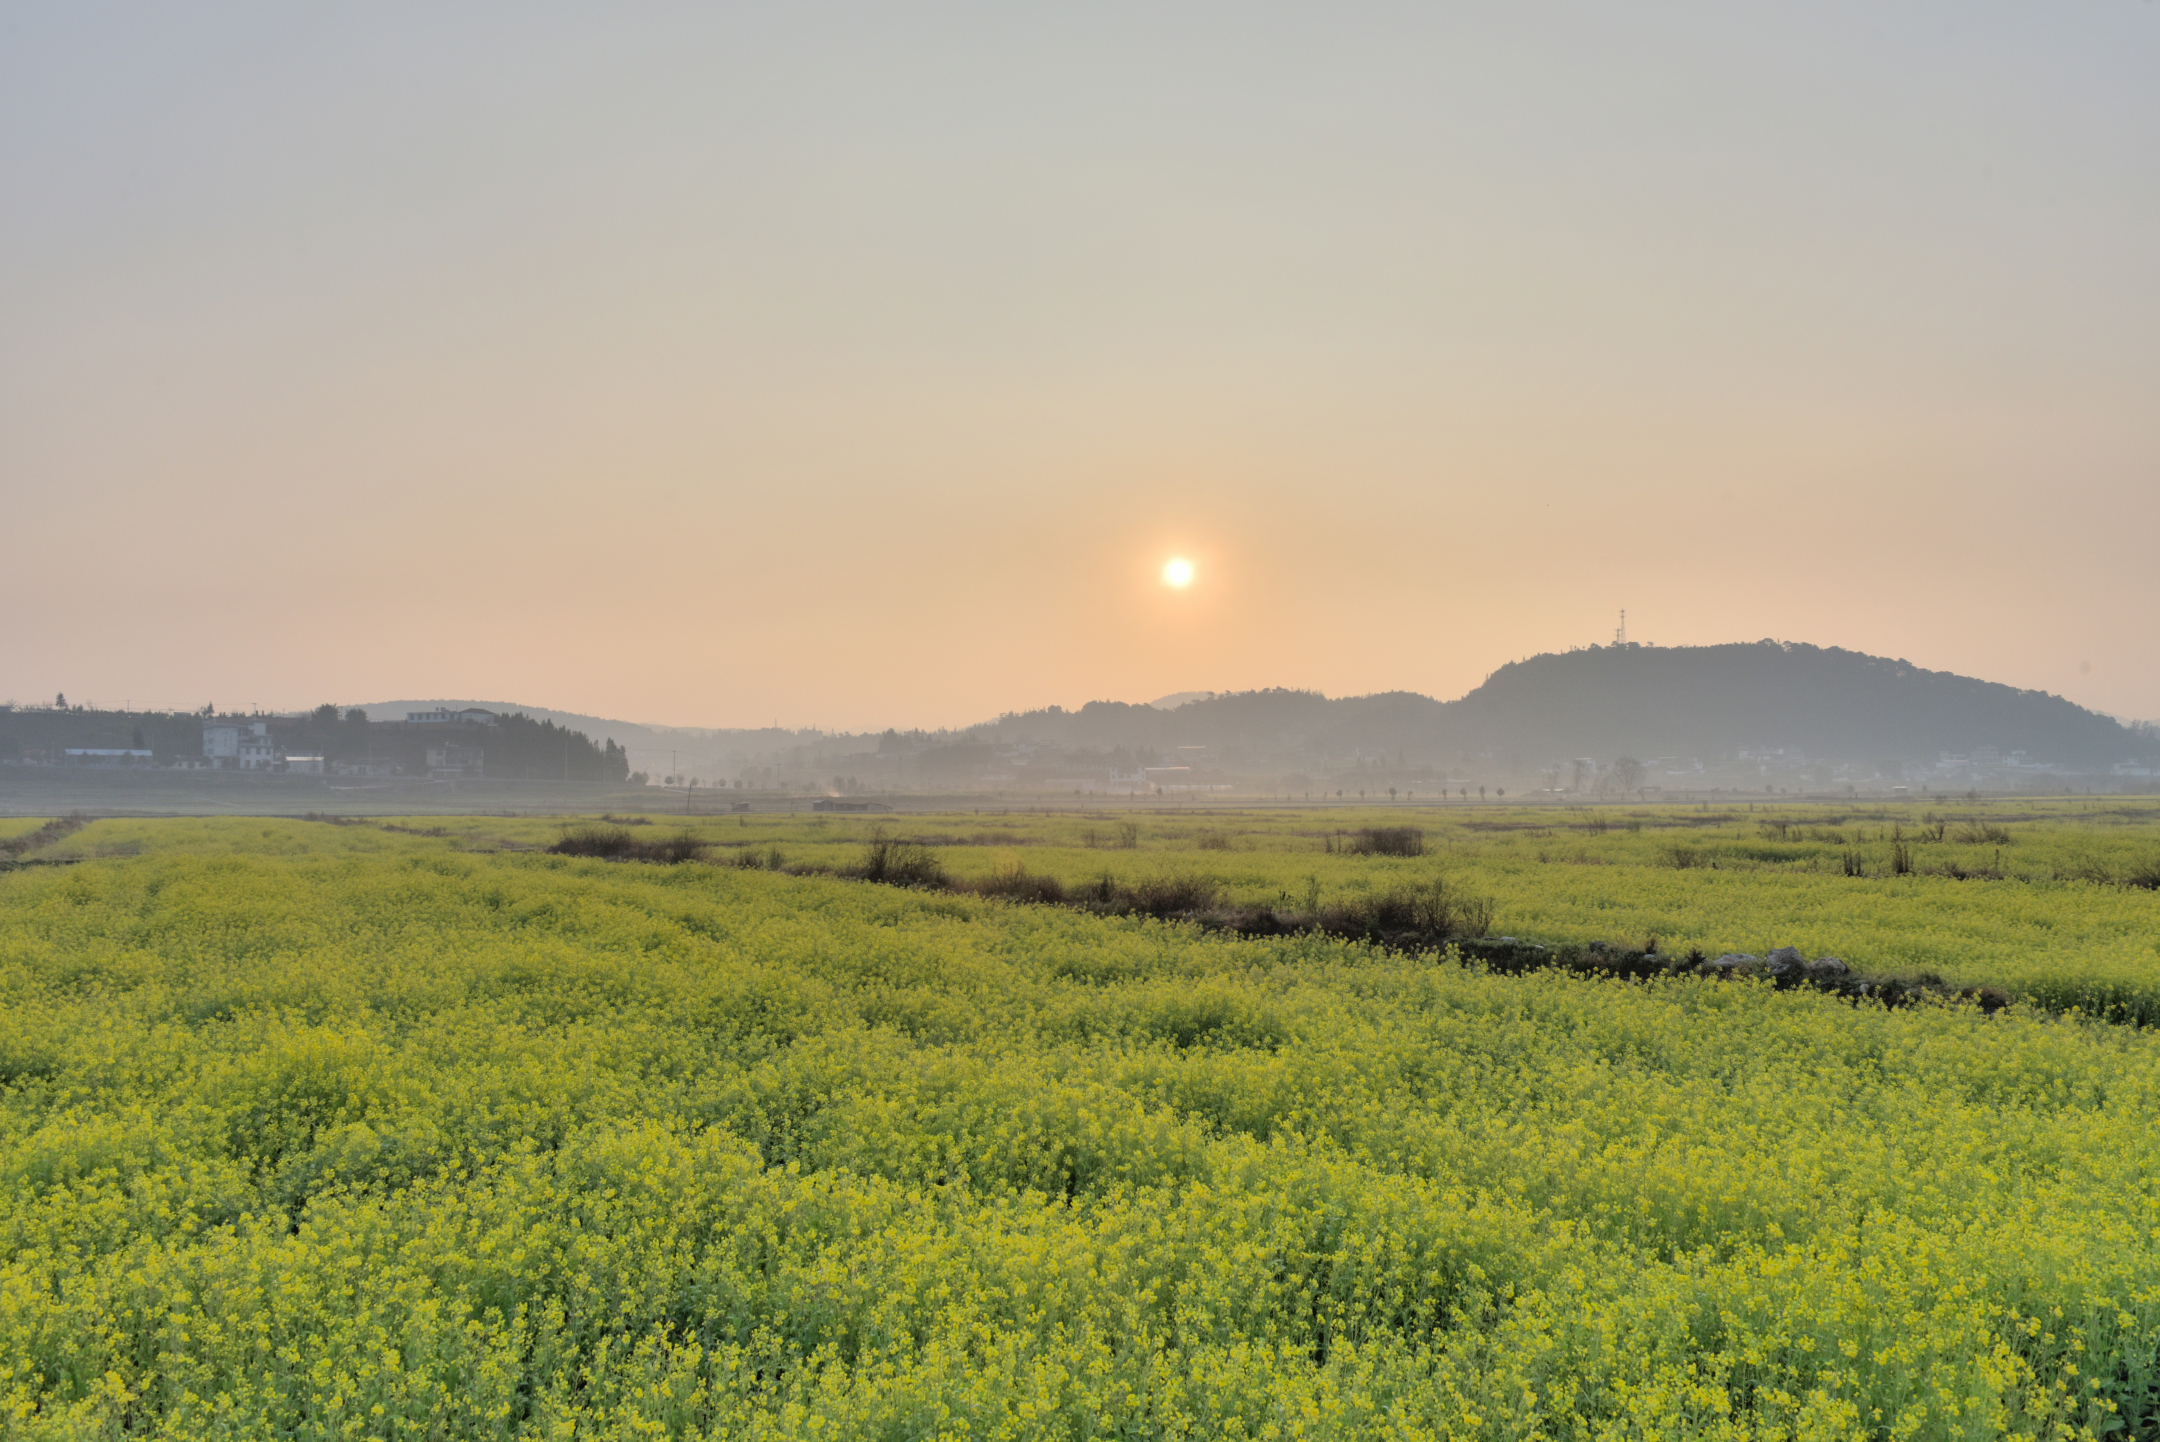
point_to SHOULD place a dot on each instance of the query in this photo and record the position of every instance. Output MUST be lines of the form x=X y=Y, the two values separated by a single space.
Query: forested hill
x=1642 y=701
x=1826 y=702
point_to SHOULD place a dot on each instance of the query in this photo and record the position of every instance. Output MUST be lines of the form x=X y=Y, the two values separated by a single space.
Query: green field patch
x=2065 y=912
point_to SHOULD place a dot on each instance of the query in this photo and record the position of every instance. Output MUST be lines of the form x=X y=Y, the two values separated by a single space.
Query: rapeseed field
x=326 y=1131
x=14 y=827
x=2051 y=900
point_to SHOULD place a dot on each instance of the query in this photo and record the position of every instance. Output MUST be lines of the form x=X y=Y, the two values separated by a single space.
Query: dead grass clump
x=671 y=849
x=1386 y=841
x=613 y=843
x=1171 y=895
x=1014 y=882
x=1212 y=841
x=1102 y=891
x=891 y=861
x=1436 y=910
x=1982 y=833
x=1969 y=873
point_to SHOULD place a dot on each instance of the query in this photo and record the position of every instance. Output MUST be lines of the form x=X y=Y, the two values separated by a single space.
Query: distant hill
x=694 y=750
x=1684 y=703
x=1702 y=702
x=1823 y=701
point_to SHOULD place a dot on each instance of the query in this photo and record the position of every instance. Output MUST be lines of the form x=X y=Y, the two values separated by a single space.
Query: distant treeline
x=517 y=747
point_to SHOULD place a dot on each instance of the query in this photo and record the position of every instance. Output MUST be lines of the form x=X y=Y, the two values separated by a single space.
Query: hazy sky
x=863 y=365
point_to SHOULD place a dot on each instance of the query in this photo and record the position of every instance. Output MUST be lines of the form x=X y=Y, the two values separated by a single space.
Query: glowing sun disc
x=1177 y=572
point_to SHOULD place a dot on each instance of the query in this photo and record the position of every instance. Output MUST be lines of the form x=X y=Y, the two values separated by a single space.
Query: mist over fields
x=1622 y=719
x=1806 y=707
x=1824 y=714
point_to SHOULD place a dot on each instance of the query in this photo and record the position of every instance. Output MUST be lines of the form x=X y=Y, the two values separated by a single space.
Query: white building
x=305 y=765
x=233 y=746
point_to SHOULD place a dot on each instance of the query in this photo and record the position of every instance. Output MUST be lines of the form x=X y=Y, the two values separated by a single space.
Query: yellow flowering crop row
x=333 y=1131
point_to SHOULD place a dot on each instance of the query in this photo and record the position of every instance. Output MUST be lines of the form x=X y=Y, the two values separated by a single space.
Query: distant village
x=436 y=745
x=248 y=746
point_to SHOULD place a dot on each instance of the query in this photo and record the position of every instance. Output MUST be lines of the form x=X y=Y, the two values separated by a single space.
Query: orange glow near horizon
x=768 y=381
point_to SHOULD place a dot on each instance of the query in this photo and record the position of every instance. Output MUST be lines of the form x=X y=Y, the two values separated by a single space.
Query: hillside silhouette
x=1705 y=702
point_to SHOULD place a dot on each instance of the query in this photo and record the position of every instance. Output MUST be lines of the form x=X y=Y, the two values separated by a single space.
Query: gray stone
x=1828 y=966
x=1731 y=961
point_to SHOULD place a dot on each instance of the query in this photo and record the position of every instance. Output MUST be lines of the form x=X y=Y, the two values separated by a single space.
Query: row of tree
x=518 y=747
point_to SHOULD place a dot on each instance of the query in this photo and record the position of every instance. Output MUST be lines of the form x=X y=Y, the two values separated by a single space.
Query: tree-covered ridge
x=1644 y=701
x=519 y=747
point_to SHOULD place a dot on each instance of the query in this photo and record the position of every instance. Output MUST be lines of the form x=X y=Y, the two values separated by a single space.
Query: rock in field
x=1730 y=963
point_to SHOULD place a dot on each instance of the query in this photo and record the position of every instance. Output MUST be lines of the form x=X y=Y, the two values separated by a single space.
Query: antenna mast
x=1619 y=637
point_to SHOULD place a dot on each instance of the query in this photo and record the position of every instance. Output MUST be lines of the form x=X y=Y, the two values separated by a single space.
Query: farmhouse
x=236 y=746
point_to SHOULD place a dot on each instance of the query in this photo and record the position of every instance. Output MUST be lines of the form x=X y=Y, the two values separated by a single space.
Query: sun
x=1177 y=573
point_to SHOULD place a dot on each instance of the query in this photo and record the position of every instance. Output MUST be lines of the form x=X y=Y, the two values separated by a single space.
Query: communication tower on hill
x=1619 y=637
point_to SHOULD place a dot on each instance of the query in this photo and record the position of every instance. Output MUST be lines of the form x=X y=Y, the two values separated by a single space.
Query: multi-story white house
x=237 y=746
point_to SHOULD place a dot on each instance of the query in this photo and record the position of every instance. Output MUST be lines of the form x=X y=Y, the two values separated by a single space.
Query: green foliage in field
x=319 y=1131
x=14 y=826
x=2052 y=901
